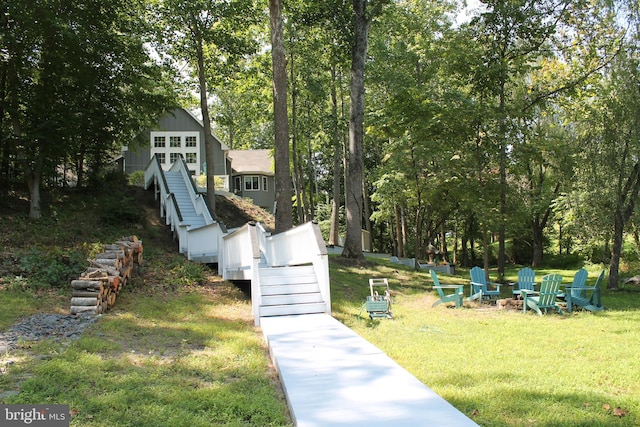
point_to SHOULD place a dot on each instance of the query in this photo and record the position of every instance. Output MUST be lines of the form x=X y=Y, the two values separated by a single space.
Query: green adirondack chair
x=480 y=286
x=526 y=281
x=545 y=298
x=587 y=297
x=457 y=296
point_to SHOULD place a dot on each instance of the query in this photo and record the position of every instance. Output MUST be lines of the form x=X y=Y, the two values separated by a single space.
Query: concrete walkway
x=334 y=377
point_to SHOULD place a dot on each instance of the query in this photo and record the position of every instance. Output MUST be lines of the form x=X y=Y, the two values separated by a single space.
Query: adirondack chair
x=378 y=305
x=526 y=281
x=545 y=298
x=457 y=296
x=587 y=297
x=579 y=280
x=480 y=286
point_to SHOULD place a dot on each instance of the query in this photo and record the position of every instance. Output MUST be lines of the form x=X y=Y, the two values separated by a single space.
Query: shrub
x=137 y=179
x=51 y=268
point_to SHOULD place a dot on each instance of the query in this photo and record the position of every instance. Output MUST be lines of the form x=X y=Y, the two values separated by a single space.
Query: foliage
x=53 y=268
x=136 y=178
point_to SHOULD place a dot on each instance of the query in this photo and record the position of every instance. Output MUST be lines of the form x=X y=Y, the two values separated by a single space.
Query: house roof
x=251 y=161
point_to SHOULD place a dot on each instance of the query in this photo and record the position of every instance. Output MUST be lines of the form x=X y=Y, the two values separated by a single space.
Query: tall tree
x=363 y=12
x=283 y=214
x=201 y=33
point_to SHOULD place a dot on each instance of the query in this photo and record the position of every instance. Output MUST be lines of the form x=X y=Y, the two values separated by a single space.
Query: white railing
x=240 y=256
x=299 y=246
x=198 y=200
x=169 y=208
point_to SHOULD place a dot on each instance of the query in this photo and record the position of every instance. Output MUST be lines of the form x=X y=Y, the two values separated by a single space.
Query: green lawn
x=505 y=368
x=180 y=349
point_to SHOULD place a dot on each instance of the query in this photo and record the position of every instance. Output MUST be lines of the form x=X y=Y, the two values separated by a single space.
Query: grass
x=183 y=357
x=504 y=368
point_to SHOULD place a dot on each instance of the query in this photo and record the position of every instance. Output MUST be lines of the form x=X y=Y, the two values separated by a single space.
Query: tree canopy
x=498 y=138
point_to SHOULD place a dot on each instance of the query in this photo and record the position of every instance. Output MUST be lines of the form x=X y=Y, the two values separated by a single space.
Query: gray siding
x=137 y=157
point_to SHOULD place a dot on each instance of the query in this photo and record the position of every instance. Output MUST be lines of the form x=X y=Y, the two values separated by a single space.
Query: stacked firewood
x=96 y=289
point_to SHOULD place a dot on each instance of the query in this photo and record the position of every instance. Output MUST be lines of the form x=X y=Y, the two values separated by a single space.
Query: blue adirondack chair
x=579 y=281
x=526 y=281
x=457 y=296
x=587 y=297
x=544 y=299
x=480 y=286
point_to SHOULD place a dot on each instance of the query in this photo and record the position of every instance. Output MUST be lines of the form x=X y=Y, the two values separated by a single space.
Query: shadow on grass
x=175 y=360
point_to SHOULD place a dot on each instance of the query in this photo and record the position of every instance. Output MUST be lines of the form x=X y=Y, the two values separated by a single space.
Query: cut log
x=77 y=309
x=86 y=284
x=85 y=294
x=111 y=255
x=105 y=270
x=84 y=301
x=115 y=263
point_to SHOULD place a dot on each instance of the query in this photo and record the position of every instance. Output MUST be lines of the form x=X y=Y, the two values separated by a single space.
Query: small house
x=252 y=176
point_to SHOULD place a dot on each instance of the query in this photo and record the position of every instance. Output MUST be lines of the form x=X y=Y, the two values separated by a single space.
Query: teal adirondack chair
x=457 y=296
x=545 y=298
x=526 y=281
x=587 y=297
x=480 y=286
x=579 y=281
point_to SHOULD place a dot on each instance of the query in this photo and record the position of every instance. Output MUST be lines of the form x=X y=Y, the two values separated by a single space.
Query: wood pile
x=96 y=289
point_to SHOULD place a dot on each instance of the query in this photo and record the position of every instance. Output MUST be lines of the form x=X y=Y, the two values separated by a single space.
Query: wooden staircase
x=289 y=290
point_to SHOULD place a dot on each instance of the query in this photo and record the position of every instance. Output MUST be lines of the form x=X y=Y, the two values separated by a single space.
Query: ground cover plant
x=501 y=367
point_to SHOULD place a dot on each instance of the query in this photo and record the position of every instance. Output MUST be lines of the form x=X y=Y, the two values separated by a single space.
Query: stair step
x=305 y=288
x=279 y=271
x=270 y=300
x=287 y=280
x=284 y=310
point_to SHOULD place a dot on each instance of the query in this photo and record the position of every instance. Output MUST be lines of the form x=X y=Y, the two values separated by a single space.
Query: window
x=158 y=141
x=251 y=183
x=174 y=141
x=265 y=187
x=237 y=183
x=174 y=157
x=191 y=157
x=162 y=158
x=190 y=141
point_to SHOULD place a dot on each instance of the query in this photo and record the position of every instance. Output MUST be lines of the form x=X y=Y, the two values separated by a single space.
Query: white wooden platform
x=334 y=377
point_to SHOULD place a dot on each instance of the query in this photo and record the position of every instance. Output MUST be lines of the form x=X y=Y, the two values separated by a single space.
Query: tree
x=79 y=83
x=354 y=204
x=200 y=33
x=284 y=219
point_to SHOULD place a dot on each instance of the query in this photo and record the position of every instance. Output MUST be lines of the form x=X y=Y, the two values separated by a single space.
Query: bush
x=51 y=268
x=137 y=179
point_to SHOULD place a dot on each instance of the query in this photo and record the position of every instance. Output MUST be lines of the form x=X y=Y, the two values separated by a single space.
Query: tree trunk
x=297 y=175
x=283 y=214
x=367 y=215
x=622 y=213
x=503 y=184
x=335 y=204
x=209 y=143
x=353 y=239
x=398 y=225
x=34 y=179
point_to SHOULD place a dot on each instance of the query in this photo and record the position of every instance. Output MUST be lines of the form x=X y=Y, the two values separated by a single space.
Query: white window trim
x=168 y=150
x=249 y=178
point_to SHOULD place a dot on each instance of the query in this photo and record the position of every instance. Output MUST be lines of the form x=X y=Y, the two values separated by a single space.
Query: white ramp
x=334 y=377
